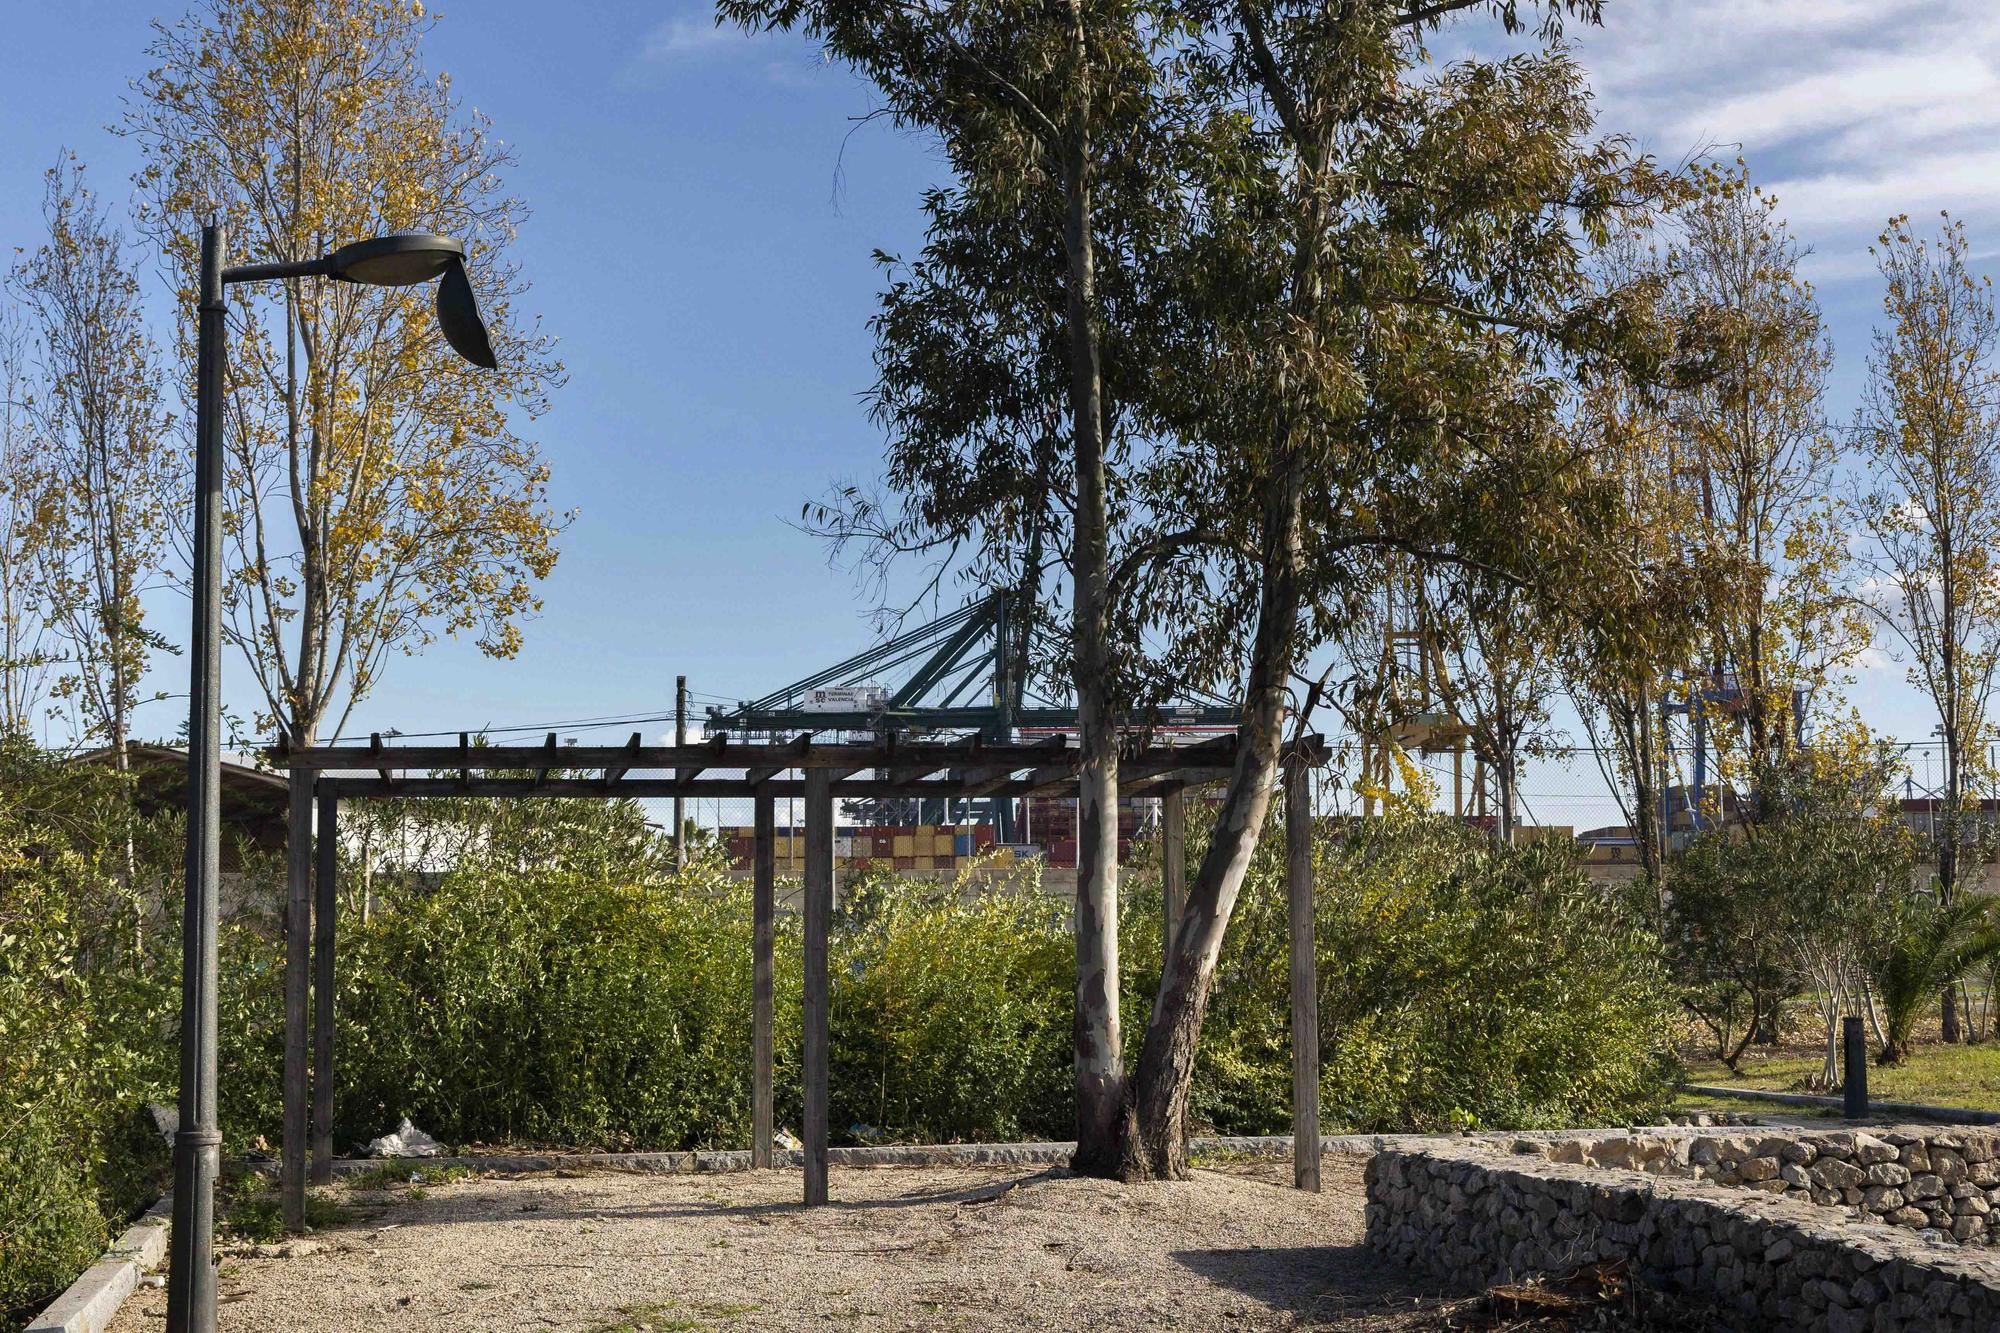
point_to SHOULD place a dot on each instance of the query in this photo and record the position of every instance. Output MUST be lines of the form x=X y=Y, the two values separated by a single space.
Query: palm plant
x=1928 y=944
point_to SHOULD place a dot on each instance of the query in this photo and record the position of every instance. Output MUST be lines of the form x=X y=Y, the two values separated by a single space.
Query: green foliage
x=1927 y=943
x=248 y=1209
x=401 y=1175
x=50 y=1225
x=952 y=1012
x=1725 y=947
x=1460 y=985
x=1801 y=899
x=579 y=990
x=87 y=993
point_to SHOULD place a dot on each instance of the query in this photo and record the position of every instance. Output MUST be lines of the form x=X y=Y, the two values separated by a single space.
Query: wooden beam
x=1218 y=753
x=1173 y=861
x=819 y=915
x=595 y=789
x=626 y=761
x=298 y=963
x=763 y=924
x=1304 y=977
x=325 y=910
x=549 y=749
x=375 y=748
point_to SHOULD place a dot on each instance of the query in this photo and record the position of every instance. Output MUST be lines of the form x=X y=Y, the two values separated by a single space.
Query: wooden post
x=763 y=912
x=325 y=885
x=298 y=964
x=1173 y=861
x=819 y=913
x=1305 y=977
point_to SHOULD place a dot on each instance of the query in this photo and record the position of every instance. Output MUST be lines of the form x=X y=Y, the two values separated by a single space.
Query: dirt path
x=900 y=1249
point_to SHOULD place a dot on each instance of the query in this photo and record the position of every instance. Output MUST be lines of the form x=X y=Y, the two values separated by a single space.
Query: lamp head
x=400 y=259
x=405 y=258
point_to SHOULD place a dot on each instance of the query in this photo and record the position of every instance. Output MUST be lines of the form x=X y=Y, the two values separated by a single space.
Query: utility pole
x=680 y=738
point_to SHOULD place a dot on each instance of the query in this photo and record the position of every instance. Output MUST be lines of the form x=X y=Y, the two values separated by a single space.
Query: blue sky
x=704 y=209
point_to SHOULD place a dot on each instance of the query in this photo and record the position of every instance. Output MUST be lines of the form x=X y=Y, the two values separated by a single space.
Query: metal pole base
x=191 y=1272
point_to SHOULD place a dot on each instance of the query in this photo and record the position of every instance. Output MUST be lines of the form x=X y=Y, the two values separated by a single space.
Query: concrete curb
x=1949 y=1115
x=92 y=1300
x=932 y=1154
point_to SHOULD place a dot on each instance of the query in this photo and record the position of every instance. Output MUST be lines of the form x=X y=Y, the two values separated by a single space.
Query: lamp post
x=397 y=260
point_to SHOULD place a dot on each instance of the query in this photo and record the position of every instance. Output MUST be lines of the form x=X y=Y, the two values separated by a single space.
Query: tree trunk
x=1947 y=855
x=1156 y=1147
x=1646 y=798
x=1098 y=1041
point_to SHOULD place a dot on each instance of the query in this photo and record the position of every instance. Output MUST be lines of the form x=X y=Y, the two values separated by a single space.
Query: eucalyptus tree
x=1396 y=305
x=1333 y=304
x=1007 y=353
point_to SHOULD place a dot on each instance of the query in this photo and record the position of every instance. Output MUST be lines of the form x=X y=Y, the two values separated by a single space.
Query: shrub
x=87 y=992
x=1460 y=984
x=51 y=1227
x=951 y=1013
x=561 y=1008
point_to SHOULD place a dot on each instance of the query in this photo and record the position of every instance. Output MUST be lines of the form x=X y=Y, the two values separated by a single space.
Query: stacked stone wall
x=1770 y=1258
x=1944 y=1181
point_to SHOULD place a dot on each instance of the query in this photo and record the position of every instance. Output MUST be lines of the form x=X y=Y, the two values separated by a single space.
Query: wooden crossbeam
x=375 y=748
x=969 y=768
x=624 y=764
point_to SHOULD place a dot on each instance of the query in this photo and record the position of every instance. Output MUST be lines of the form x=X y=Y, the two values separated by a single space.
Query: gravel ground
x=901 y=1248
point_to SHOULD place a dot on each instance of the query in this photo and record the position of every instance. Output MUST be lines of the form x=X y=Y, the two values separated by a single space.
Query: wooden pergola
x=323 y=776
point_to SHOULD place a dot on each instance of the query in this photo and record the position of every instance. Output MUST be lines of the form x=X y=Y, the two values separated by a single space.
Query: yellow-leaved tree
x=1750 y=447
x=378 y=493
x=1929 y=428
x=101 y=467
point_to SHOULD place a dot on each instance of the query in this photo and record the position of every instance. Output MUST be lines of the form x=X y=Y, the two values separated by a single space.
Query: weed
x=397 y=1175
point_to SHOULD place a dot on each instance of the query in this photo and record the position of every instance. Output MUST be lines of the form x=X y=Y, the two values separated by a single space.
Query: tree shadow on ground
x=1319 y=1285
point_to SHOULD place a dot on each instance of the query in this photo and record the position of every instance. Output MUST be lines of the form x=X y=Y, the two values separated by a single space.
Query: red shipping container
x=983 y=835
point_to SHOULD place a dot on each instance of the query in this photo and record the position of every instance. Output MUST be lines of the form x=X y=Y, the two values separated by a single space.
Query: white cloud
x=1849 y=110
x=692 y=40
x=692 y=35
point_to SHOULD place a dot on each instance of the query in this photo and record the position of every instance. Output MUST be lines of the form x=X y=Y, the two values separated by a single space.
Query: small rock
x=1764 y=1168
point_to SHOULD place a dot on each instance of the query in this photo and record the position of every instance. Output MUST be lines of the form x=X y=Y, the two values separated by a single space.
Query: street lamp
x=397 y=260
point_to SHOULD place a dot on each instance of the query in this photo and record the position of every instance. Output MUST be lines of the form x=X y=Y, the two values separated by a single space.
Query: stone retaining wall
x=1942 y=1180
x=1771 y=1257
